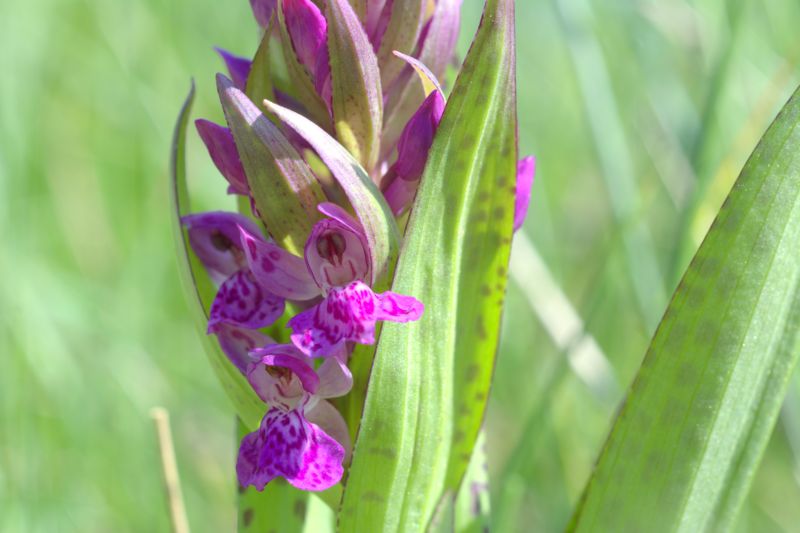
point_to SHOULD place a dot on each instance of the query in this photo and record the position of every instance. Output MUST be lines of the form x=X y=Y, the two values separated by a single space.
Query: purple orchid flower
x=301 y=437
x=337 y=265
x=241 y=299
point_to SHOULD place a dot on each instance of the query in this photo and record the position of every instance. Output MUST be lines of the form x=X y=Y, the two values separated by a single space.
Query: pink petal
x=282 y=374
x=526 y=169
x=325 y=415
x=288 y=445
x=238 y=68
x=348 y=314
x=335 y=255
x=215 y=239
x=237 y=343
x=398 y=308
x=241 y=301
x=412 y=152
x=335 y=379
x=276 y=269
x=222 y=149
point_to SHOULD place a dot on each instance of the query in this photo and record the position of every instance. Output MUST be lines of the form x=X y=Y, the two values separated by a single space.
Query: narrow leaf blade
x=199 y=291
x=430 y=379
x=684 y=448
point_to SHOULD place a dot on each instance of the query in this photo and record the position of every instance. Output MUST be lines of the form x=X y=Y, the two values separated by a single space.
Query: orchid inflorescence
x=303 y=251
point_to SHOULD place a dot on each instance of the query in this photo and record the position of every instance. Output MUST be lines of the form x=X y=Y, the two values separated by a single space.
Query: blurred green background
x=641 y=114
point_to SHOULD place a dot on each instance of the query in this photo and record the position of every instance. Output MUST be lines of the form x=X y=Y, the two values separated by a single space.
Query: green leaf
x=198 y=288
x=285 y=190
x=259 y=81
x=430 y=379
x=356 y=84
x=684 y=448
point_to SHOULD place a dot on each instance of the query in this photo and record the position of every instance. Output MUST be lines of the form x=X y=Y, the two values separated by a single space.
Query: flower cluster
x=327 y=294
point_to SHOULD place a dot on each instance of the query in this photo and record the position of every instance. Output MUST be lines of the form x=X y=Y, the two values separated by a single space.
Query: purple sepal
x=262 y=11
x=288 y=445
x=282 y=273
x=378 y=16
x=308 y=31
x=336 y=254
x=349 y=314
x=216 y=240
x=242 y=301
x=237 y=343
x=238 y=68
x=526 y=169
x=222 y=149
x=412 y=152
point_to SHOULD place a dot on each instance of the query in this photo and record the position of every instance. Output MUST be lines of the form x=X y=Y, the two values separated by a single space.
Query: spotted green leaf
x=430 y=379
x=684 y=448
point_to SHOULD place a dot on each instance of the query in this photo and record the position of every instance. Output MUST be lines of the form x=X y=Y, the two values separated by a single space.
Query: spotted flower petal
x=215 y=239
x=526 y=168
x=282 y=273
x=222 y=149
x=308 y=31
x=288 y=445
x=242 y=301
x=349 y=314
x=325 y=415
x=237 y=343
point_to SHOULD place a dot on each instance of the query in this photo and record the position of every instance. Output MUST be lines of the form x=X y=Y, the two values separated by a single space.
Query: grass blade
x=684 y=448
